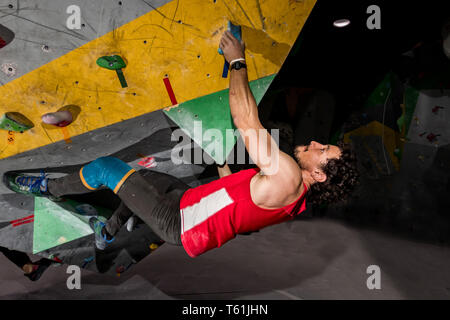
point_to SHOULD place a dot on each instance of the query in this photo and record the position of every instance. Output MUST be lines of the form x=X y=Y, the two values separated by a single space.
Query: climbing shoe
x=26 y=184
x=101 y=240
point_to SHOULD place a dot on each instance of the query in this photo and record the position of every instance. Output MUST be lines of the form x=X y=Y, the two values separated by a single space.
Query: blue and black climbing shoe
x=26 y=184
x=36 y=186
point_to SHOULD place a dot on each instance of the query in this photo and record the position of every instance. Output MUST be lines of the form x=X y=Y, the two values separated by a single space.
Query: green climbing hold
x=14 y=121
x=111 y=62
x=114 y=63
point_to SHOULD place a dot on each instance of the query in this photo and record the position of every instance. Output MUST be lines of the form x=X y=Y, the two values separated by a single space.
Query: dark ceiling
x=354 y=56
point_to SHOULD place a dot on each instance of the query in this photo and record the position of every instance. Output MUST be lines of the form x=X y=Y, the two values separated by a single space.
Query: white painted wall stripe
x=207 y=207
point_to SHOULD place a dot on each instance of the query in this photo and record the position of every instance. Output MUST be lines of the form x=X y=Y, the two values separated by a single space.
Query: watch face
x=238 y=65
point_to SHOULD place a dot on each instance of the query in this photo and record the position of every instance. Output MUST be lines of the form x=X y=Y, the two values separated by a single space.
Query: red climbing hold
x=148 y=162
x=432 y=137
x=436 y=109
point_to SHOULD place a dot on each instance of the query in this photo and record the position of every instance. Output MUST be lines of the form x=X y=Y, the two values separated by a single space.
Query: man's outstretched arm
x=275 y=164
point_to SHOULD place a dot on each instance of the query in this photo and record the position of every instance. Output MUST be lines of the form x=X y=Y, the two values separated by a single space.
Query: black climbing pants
x=152 y=196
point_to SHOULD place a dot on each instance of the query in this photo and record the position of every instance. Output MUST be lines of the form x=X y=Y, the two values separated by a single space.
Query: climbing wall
x=160 y=43
x=172 y=75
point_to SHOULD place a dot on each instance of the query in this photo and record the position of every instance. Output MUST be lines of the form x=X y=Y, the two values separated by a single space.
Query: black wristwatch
x=238 y=65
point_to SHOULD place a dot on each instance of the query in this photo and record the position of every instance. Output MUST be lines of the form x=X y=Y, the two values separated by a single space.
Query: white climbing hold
x=59 y=119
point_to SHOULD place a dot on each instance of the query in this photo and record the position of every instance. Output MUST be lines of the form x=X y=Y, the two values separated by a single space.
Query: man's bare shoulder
x=280 y=189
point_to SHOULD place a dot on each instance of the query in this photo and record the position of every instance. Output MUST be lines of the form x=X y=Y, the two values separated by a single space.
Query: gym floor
x=309 y=258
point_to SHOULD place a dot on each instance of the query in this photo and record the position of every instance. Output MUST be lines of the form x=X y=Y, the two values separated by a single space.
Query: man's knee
x=107 y=171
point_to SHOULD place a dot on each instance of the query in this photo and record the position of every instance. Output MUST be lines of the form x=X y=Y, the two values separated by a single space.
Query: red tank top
x=214 y=213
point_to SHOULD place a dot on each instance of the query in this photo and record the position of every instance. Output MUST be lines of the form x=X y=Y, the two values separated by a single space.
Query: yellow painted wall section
x=179 y=39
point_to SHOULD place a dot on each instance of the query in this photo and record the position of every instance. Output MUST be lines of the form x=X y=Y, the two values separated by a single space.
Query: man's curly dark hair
x=342 y=177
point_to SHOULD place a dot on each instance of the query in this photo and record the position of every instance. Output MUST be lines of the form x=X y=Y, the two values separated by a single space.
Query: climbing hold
x=119 y=270
x=114 y=63
x=153 y=246
x=148 y=162
x=111 y=62
x=86 y=210
x=14 y=121
x=6 y=36
x=60 y=118
x=235 y=31
x=432 y=137
x=436 y=109
x=226 y=66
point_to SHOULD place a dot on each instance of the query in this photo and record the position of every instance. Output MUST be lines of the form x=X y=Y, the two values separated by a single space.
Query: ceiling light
x=341 y=23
